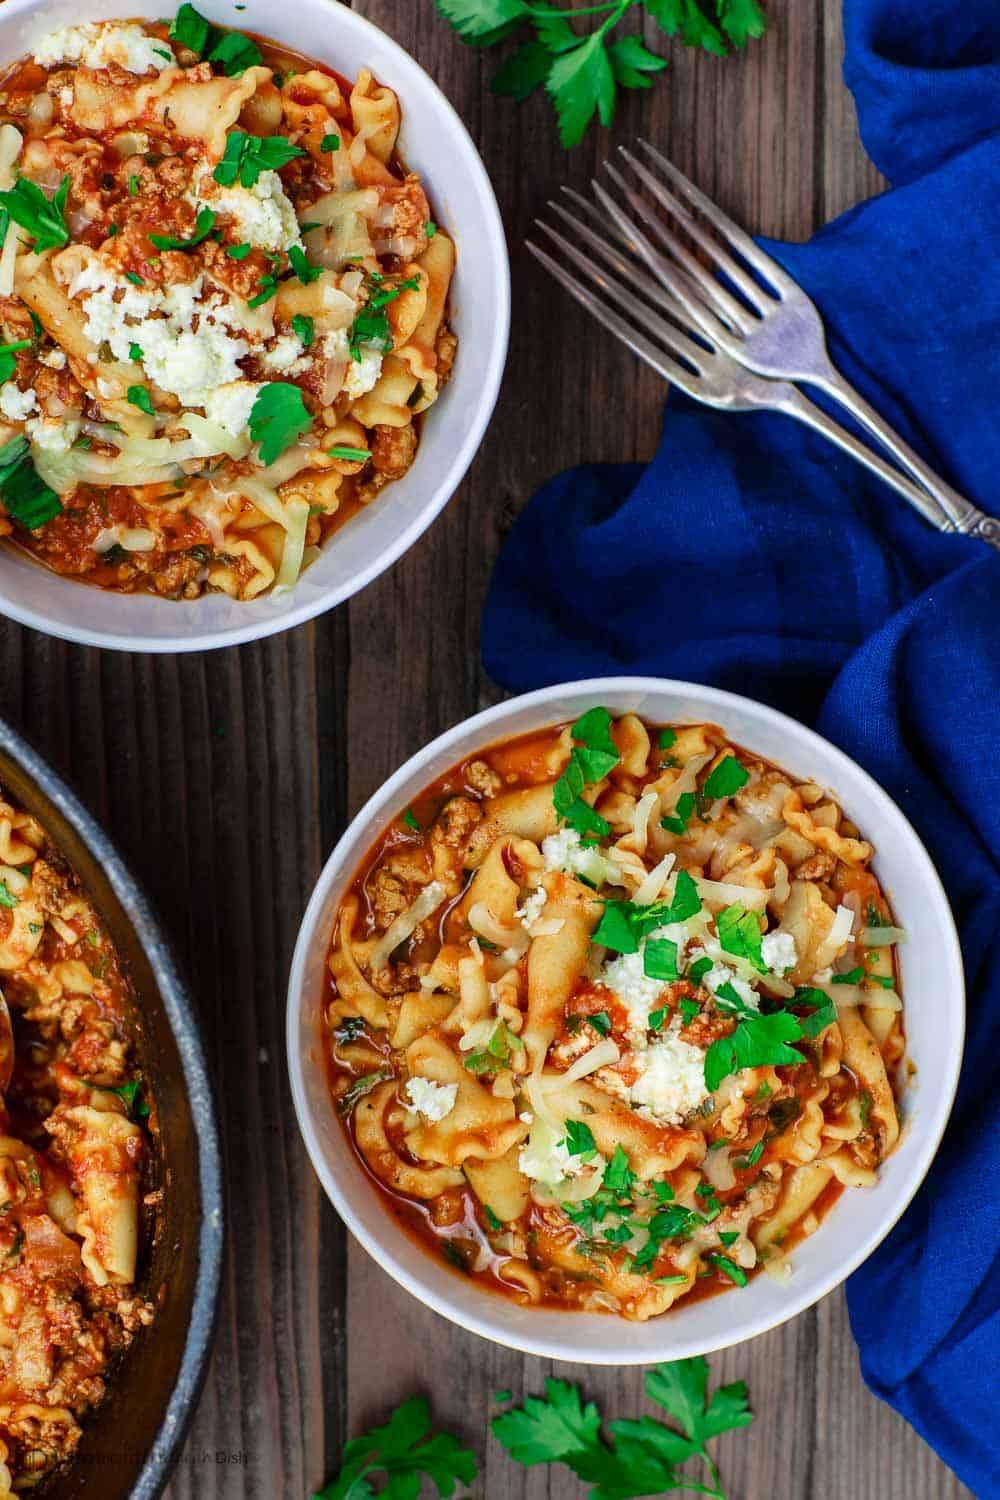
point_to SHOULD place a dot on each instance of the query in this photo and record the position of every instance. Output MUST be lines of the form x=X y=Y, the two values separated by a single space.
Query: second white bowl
x=933 y=995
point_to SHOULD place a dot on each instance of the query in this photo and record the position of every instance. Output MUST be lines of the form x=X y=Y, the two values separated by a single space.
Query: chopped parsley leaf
x=7 y=897
x=580 y=1140
x=303 y=270
x=202 y=228
x=138 y=395
x=278 y=418
x=134 y=352
x=239 y=252
x=246 y=156
x=601 y=1021
x=725 y=779
x=330 y=143
x=410 y=820
x=26 y=497
x=350 y=455
x=302 y=327
x=42 y=217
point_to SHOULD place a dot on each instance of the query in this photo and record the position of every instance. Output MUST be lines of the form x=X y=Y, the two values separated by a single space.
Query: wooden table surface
x=227 y=777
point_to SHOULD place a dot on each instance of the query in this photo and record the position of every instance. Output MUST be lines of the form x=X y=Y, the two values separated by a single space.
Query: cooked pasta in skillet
x=73 y=1148
x=223 y=306
x=613 y=1015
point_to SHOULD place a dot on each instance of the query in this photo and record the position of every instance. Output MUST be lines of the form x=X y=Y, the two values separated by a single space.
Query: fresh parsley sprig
x=582 y=71
x=246 y=156
x=403 y=1450
x=233 y=51
x=43 y=218
x=278 y=418
x=644 y=1456
x=593 y=755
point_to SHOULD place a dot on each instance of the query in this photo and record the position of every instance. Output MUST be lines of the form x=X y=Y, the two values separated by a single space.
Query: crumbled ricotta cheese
x=531 y=910
x=671 y=1082
x=430 y=1099
x=53 y=436
x=53 y=359
x=638 y=994
x=95 y=46
x=261 y=215
x=560 y=849
x=778 y=951
x=230 y=405
x=546 y=1158
x=189 y=363
x=14 y=403
x=720 y=973
x=363 y=374
x=286 y=354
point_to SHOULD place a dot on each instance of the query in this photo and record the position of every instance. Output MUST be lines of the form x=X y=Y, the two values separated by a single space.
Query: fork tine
x=664 y=270
x=707 y=300
x=627 y=268
x=751 y=289
x=737 y=237
x=675 y=339
x=661 y=363
x=592 y=212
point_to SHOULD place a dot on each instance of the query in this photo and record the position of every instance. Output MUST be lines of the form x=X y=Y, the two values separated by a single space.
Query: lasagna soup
x=73 y=1145
x=613 y=1015
x=223 y=306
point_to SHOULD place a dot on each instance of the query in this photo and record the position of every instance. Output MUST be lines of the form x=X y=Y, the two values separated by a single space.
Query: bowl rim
x=179 y=1411
x=462 y=457
x=380 y=806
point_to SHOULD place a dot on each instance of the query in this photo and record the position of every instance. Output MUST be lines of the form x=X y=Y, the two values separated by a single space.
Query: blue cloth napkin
x=752 y=555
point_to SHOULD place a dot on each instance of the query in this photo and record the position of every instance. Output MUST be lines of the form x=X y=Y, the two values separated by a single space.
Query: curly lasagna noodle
x=223 y=306
x=613 y=1015
x=72 y=1152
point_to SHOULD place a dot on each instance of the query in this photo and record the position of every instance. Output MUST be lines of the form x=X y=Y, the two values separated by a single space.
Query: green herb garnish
x=330 y=143
x=278 y=419
x=725 y=779
x=246 y=156
x=202 y=228
x=302 y=326
x=42 y=217
x=582 y=72
x=138 y=395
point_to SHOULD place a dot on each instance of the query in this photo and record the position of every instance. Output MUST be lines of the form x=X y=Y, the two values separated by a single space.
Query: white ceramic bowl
x=433 y=142
x=932 y=986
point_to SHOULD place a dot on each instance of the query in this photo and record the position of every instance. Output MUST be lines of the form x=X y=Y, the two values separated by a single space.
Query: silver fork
x=780 y=334
x=660 y=333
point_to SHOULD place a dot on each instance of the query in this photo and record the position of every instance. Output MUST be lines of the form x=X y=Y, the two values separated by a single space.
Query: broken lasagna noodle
x=613 y=1015
x=72 y=1153
x=223 y=306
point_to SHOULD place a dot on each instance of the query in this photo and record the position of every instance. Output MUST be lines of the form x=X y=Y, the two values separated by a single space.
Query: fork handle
x=789 y=399
x=963 y=515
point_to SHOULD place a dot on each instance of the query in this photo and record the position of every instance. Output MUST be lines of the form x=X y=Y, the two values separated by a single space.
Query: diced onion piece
x=852 y=995
x=837 y=938
x=718 y=1168
x=478 y=1034
x=882 y=937
x=686 y=781
x=8 y=255
x=650 y=888
x=399 y=930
